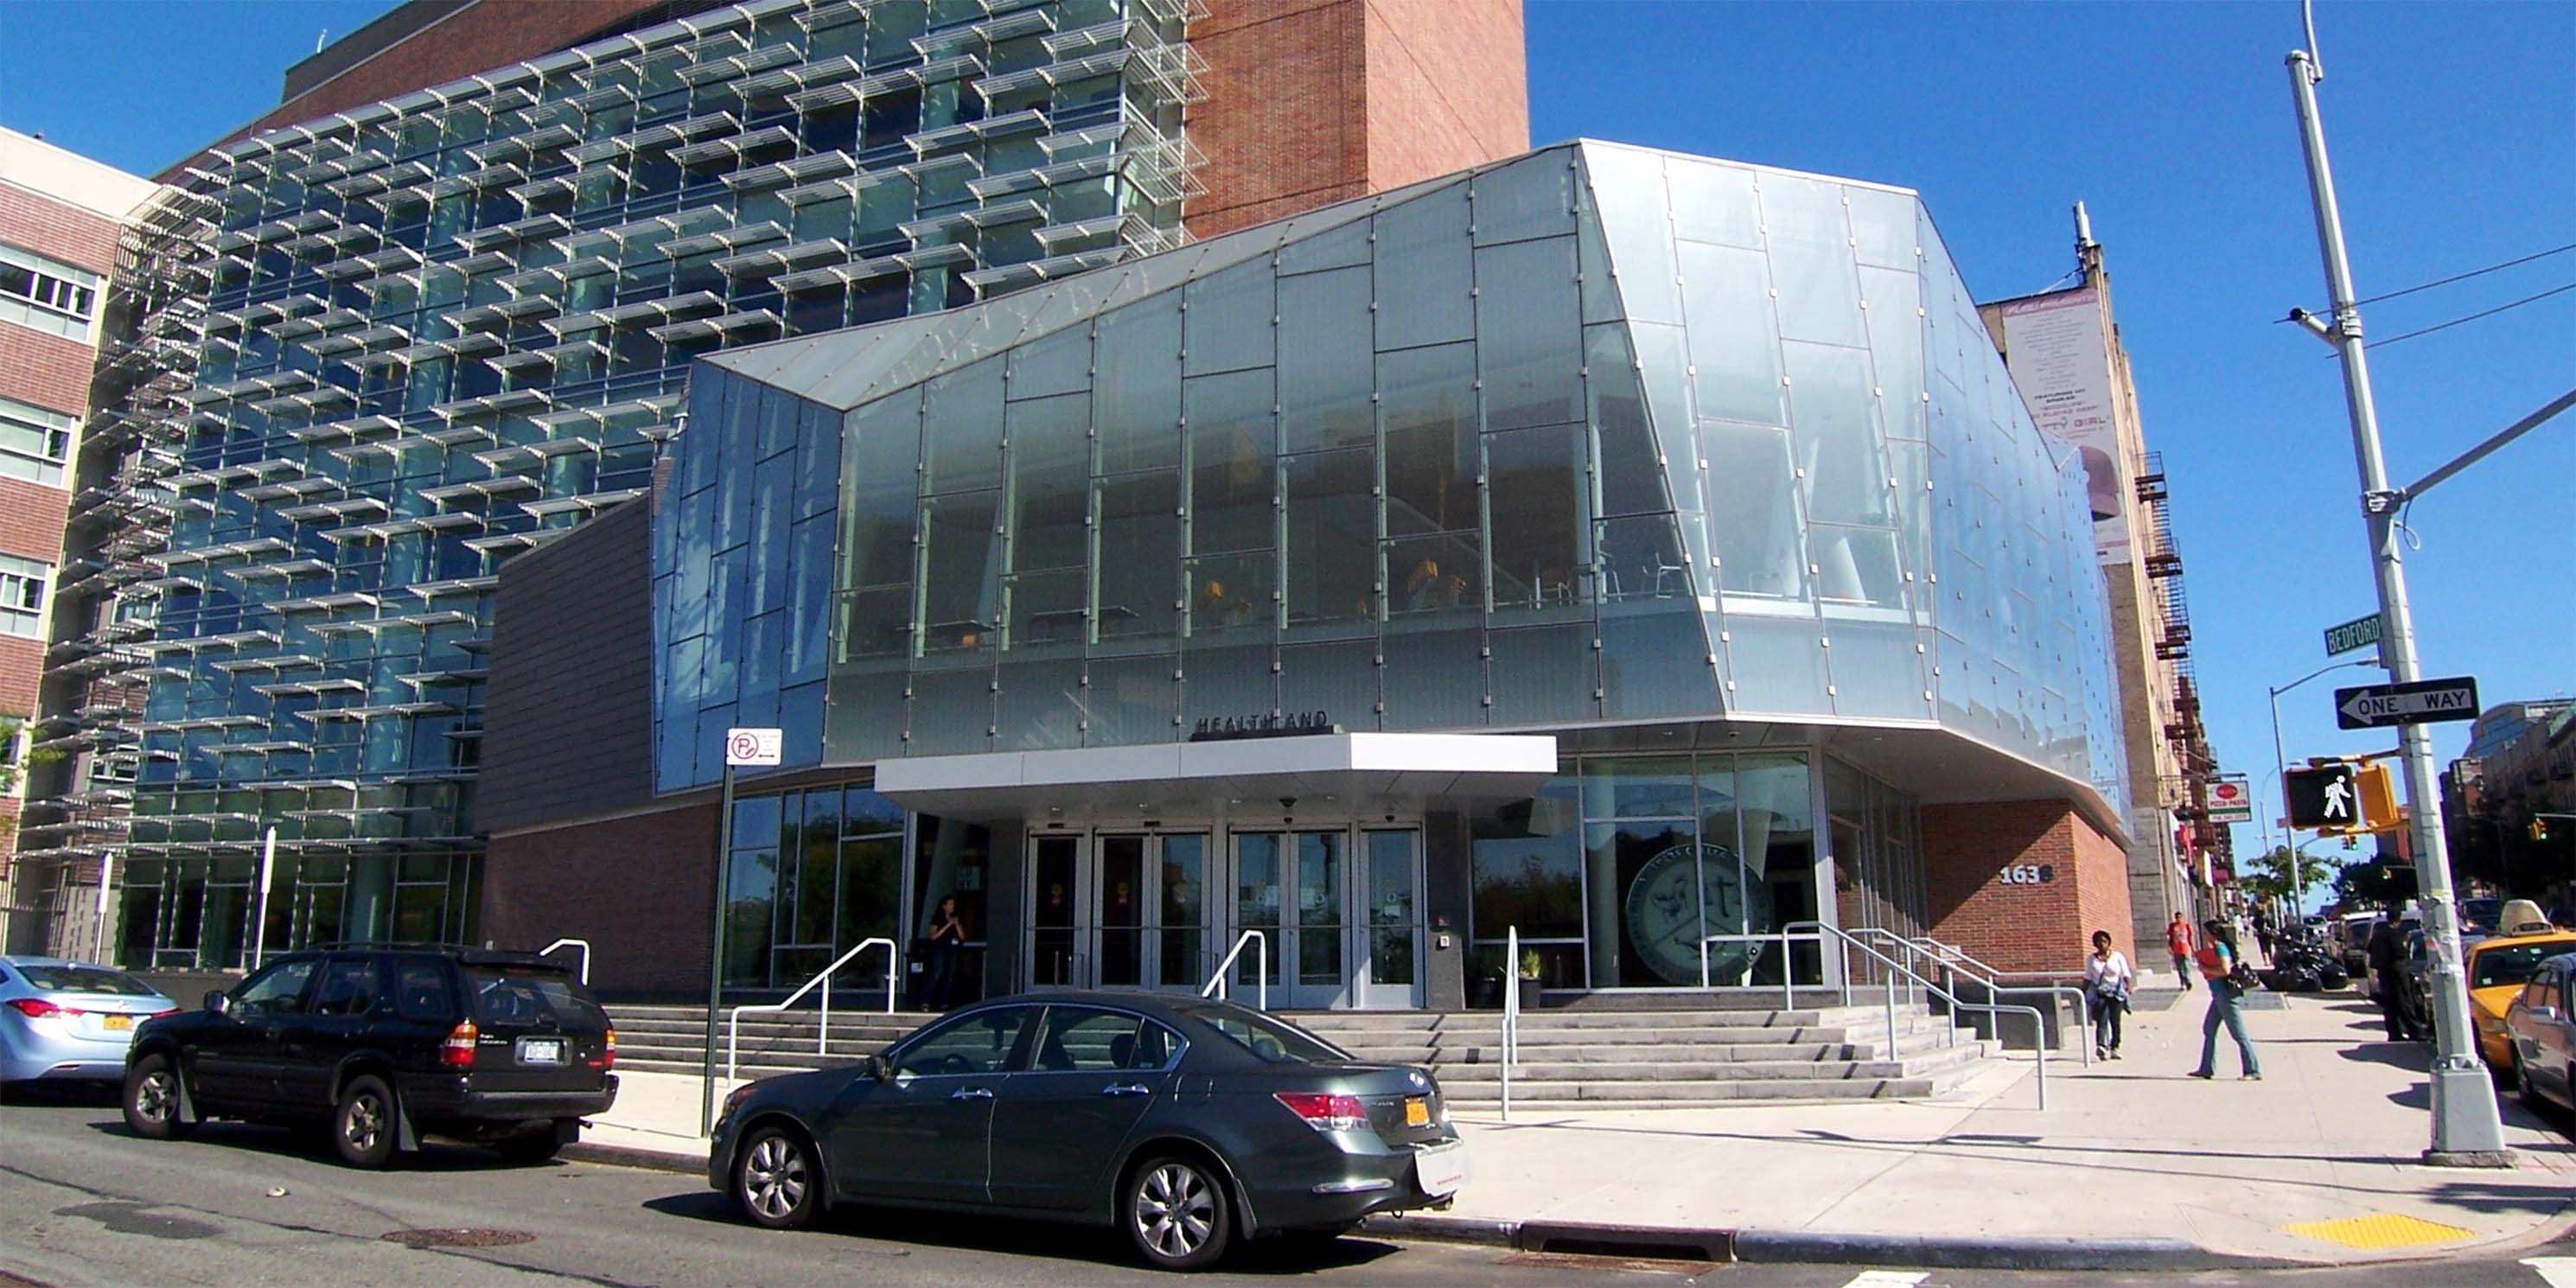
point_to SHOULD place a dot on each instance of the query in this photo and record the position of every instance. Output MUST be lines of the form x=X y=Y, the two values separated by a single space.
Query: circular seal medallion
x=1660 y=921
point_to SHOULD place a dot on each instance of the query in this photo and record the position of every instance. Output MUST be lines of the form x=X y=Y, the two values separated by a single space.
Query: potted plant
x=1528 y=981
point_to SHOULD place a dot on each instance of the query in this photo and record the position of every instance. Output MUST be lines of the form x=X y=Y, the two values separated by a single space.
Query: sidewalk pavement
x=2133 y=1165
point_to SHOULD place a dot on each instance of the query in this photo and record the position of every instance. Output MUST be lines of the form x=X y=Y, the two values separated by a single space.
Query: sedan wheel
x=152 y=1100
x=1176 y=1214
x=775 y=1181
x=2523 y=1090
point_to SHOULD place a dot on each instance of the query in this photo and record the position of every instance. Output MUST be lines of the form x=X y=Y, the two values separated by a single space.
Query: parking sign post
x=742 y=747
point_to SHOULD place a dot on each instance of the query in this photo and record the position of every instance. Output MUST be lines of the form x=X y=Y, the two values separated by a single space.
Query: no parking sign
x=753 y=746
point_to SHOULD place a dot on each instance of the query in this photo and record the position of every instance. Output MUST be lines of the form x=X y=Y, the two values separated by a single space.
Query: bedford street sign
x=2380 y=706
x=2359 y=633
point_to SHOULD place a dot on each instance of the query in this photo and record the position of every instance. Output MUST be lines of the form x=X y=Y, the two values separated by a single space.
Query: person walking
x=2108 y=977
x=2383 y=951
x=2218 y=961
x=947 y=942
x=2263 y=936
x=2178 y=942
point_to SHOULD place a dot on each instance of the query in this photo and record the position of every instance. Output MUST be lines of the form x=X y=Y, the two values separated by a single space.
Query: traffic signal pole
x=2467 y=1131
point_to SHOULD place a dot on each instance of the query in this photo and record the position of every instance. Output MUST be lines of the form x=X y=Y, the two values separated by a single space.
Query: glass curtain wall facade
x=444 y=329
x=1595 y=437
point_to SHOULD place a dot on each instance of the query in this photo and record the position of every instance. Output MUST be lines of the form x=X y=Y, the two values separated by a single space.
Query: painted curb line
x=1818 y=1247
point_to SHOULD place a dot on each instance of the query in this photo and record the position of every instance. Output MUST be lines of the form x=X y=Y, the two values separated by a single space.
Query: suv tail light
x=457 y=1052
x=607 y=1053
x=1325 y=1112
x=37 y=1008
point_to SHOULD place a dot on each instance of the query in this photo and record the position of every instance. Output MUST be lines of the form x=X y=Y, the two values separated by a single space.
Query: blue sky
x=2454 y=149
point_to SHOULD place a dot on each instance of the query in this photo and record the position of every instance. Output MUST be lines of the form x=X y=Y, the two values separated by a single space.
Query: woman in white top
x=2108 y=977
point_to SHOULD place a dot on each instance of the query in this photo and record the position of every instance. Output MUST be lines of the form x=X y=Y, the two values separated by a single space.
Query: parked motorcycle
x=2304 y=964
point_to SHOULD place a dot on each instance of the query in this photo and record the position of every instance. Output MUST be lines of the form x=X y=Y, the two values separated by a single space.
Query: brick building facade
x=59 y=221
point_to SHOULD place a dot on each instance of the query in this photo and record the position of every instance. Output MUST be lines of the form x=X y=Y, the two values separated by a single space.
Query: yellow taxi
x=2497 y=969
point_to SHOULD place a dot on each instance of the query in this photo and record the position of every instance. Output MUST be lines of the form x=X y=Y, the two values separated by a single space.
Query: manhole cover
x=459 y=1238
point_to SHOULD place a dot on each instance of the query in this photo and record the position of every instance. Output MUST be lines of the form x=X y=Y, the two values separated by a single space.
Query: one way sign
x=2378 y=706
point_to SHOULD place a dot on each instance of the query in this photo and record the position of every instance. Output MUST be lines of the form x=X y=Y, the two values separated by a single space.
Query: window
x=421 y=993
x=34 y=442
x=46 y=294
x=980 y=1043
x=517 y=995
x=1266 y=1038
x=1081 y=1040
x=277 y=991
x=84 y=979
x=348 y=987
x=23 y=586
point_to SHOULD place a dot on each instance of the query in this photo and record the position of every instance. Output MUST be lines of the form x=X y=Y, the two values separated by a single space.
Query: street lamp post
x=2281 y=761
x=2467 y=1130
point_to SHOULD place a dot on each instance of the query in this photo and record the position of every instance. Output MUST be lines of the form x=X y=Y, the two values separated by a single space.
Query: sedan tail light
x=1326 y=1112
x=37 y=1008
x=457 y=1052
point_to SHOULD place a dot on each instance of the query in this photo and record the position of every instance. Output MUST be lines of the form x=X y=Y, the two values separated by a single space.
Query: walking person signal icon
x=2340 y=796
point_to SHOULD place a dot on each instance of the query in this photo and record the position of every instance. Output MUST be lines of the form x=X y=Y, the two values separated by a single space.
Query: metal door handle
x=972 y=1093
x=1130 y=1090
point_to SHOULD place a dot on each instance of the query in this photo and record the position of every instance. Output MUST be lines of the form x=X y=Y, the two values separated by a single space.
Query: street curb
x=1818 y=1247
x=650 y=1160
x=1975 y=1253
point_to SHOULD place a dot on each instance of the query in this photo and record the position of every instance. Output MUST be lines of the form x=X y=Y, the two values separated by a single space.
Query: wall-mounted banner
x=2060 y=355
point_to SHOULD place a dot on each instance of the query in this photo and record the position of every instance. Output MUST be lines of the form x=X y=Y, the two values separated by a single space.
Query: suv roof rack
x=470 y=953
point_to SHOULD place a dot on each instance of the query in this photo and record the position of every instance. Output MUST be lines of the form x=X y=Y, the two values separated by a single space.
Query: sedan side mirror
x=219 y=1002
x=875 y=1069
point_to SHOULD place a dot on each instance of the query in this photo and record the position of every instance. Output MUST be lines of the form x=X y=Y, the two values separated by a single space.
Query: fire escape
x=2186 y=731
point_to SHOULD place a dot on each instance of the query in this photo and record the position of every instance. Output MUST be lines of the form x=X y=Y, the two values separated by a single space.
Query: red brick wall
x=637 y=888
x=71 y=234
x=1284 y=125
x=479 y=37
x=1316 y=101
x=31 y=520
x=45 y=369
x=1448 y=87
x=2024 y=927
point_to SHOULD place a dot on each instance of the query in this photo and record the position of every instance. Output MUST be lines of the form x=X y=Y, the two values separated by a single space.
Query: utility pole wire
x=2487 y=313
x=2462 y=277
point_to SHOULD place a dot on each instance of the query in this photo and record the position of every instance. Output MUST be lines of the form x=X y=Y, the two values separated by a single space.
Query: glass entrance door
x=1149 y=895
x=1341 y=911
x=1386 y=923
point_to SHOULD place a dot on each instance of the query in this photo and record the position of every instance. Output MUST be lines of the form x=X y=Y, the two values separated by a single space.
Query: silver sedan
x=64 y=1020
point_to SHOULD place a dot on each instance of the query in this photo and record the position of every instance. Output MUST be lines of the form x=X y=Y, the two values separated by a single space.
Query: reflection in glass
x=1538 y=498
x=1332 y=539
x=1234 y=447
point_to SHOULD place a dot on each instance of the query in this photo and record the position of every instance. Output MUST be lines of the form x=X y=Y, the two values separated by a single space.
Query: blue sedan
x=64 y=1020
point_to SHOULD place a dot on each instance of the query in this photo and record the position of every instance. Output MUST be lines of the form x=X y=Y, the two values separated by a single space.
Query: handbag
x=2243 y=976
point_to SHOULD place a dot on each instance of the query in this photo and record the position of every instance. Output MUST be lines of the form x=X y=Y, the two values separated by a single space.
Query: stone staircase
x=1698 y=1052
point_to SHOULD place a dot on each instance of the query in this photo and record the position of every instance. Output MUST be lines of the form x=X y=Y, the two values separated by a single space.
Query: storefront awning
x=1326 y=771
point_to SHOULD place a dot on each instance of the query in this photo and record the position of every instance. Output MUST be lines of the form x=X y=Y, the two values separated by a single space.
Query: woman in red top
x=2217 y=961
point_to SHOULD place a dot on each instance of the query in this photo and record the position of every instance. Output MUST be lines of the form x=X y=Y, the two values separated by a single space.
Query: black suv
x=390 y=1042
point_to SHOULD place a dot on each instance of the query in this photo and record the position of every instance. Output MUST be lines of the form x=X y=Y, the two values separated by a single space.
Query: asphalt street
x=90 y=1205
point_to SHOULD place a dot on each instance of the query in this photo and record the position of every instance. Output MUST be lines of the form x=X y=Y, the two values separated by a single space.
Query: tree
x=2374 y=885
x=2269 y=874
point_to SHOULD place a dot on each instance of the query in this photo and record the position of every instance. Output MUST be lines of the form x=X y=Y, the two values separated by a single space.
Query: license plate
x=116 y=1023
x=1417 y=1111
x=541 y=1051
x=1441 y=1169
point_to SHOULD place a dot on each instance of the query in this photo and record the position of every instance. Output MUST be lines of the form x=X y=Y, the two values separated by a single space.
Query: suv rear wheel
x=152 y=1100
x=362 y=1128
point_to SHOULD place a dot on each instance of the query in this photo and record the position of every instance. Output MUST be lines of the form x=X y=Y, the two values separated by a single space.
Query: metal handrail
x=1789 y=932
x=1217 y=985
x=1788 y=968
x=1511 y=1036
x=1952 y=957
x=582 y=944
x=823 y=979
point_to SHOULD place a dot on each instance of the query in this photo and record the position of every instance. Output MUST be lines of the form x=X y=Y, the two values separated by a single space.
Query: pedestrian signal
x=2325 y=797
